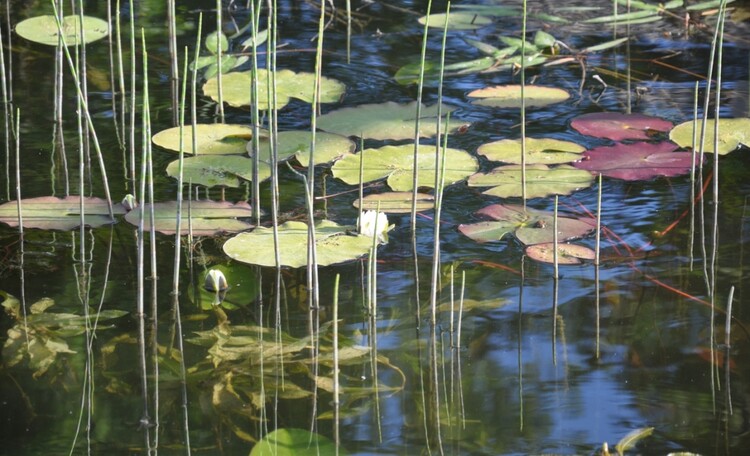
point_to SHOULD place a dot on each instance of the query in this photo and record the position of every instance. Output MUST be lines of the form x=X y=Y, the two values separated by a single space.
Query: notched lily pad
x=385 y=121
x=541 y=180
x=530 y=227
x=395 y=202
x=218 y=170
x=461 y=20
x=206 y=217
x=566 y=253
x=334 y=243
x=617 y=126
x=396 y=163
x=328 y=147
x=211 y=139
x=236 y=88
x=732 y=134
x=53 y=213
x=509 y=96
x=43 y=29
x=637 y=161
x=547 y=151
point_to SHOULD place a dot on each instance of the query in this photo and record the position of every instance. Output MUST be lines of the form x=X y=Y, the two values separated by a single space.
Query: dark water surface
x=512 y=385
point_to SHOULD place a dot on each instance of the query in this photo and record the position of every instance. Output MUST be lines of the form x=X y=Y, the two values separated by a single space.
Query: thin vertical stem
x=523 y=106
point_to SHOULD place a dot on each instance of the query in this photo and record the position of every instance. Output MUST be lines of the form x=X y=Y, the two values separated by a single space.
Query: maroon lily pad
x=566 y=253
x=637 y=161
x=529 y=227
x=53 y=213
x=617 y=127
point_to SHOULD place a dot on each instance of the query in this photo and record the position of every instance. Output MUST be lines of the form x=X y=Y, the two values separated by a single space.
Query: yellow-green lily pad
x=547 y=151
x=328 y=147
x=236 y=88
x=218 y=170
x=509 y=96
x=211 y=139
x=396 y=163
x=732 y=134
x=395 y=202
x=388 y=120
x=334 y=244
x=205 y=217
x=43 y=29
x=462 y=20
x=541 y=180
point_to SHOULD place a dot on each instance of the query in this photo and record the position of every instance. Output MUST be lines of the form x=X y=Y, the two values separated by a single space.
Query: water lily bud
x=129 y=202
x=215 y=281
x=374 y=223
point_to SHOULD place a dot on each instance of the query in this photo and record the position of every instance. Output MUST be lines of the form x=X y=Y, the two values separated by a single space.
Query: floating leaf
x=530 y=226
x=53 y=213
x=617 y=127
x=541 y=181
x=566 y=253
x=637 y=161
x=509 y=96
x=218 y=170
x=295 y=442
x=236 y=88
x=216 y=40
x=538 y=150
x=211 y=139
x=462 y=20
x=43 y=29
x=397 y=164
x=385 y=121
x=732 y=134
x=334 y=244
x=396 y=202
x=328 y=147
x=632 y=438
x=206 y=217
x=409 y=73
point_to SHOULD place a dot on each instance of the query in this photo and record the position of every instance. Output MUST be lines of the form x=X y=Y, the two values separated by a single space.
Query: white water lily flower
x=215 y=281
x=374 y=223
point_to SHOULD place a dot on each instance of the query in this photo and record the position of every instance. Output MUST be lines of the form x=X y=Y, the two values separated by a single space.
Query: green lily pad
x=334 y=243
x=509 y=96
x=397 y=163
x=385 y=121
x=395 y=202
x=732 y=134
x=295 y=442
x=211 y=139
x=218 y=170
x=53 y=213
x=530 y=226
x=208 y=217
x=243 y=288
x=538 y=150
x=541 y=180
x=43 y=29
x=462 y=20
x=566 y=253
x=328 y=147
x=236 y=88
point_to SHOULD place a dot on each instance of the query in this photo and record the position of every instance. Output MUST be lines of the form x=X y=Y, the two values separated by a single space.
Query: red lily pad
x=617 y=127
x=53 y=213
x=637 y=161
x=566 y=253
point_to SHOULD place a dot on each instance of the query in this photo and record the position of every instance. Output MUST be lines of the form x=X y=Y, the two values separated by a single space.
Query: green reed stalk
x=6 y=115
x=173 y=63
x=348 y=31
x=81 y=53
x=85 y=109
x=361 y=184
x=628 y=89
x=254 y=112
x=132 y=107
x=523 y=105
x=121 y=81
x=692 y=175
x=219 y=87
x=597 y=262
x=58 y=131
x=336 y=385
x=19 y=207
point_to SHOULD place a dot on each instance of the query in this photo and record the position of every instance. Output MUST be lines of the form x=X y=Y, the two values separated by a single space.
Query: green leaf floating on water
x=236 y=88
x=385 y=121
x=295 y=442
x=462 y=20
x=541 y=180
x=43 y=29
x=395 y=202
x=538 y=150
x=509 y=96
x=53 y=213
x=206 y=217
x=732 y=134
x=334 y=243
x=211 y=139
x=396 y=163
x=328 y=147
x=218 y=170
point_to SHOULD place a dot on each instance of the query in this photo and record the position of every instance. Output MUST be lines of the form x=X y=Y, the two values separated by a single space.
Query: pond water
x=539 y=366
